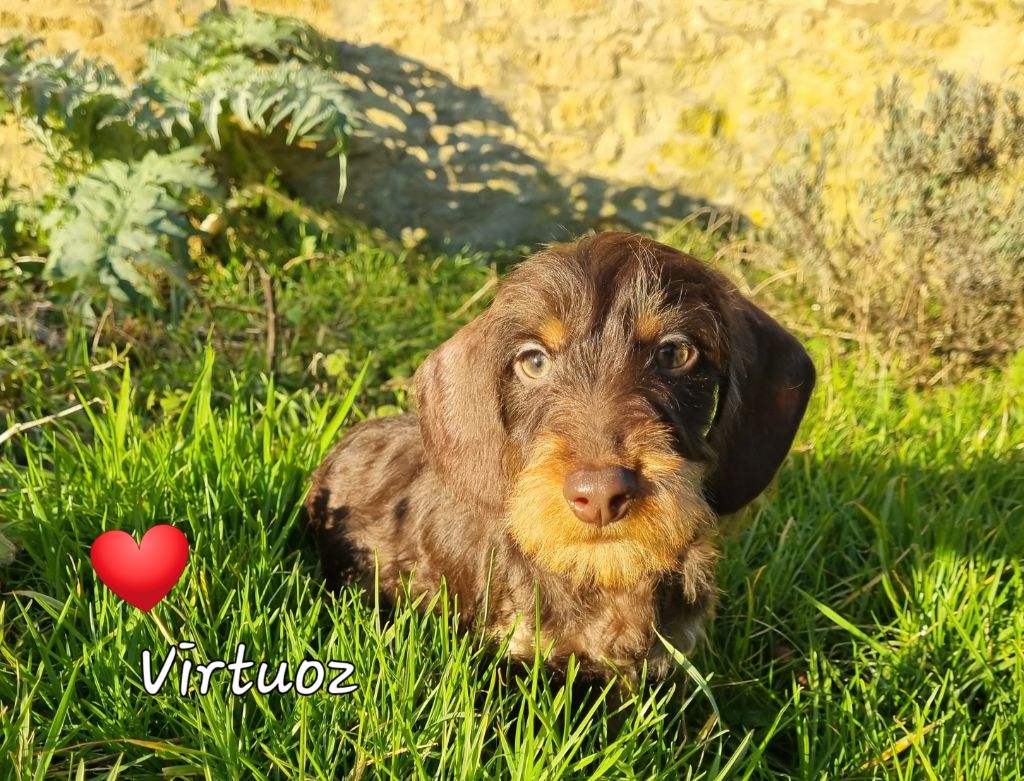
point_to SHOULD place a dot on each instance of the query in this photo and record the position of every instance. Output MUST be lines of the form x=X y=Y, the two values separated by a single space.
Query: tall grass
x=870 y=623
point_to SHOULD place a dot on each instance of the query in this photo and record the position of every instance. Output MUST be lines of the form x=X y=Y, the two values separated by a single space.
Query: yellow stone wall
x=510 y=118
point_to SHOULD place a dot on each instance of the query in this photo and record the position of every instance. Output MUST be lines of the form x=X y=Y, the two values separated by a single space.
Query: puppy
x=572 y=451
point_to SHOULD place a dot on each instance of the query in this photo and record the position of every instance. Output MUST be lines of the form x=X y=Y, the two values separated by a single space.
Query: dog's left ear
x=459 y=415
x=769 y=383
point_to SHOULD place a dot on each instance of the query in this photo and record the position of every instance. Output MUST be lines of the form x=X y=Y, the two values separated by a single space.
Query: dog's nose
x=600 y=496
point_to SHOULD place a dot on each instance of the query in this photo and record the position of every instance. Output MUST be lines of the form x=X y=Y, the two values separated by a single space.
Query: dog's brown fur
x=470 y=489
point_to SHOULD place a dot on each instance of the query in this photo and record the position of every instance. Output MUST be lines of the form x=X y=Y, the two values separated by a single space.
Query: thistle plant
x=129 y=158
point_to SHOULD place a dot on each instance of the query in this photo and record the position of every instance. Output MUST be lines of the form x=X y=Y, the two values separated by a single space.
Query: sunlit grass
x=871 y=621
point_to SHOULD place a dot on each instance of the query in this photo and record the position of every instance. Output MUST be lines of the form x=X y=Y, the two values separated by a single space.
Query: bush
x=124 y=224
x=214 y=103
x=930 y=255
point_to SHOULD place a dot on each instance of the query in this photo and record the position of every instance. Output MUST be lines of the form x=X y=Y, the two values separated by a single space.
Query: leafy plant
x=305 y=101
x=931 y=254
x=124 y=224
x=80 y=110
x=223 y=97
x=257 y=36
x=19 y=224
x=9 y=218
x=253 y=73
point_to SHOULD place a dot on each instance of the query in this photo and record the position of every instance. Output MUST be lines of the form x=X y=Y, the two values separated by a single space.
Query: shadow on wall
x=437 y=159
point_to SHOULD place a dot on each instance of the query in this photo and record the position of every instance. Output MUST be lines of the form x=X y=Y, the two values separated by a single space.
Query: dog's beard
x=668 y=516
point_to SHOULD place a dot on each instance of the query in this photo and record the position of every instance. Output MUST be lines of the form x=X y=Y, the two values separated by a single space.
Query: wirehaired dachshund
x=572 y=450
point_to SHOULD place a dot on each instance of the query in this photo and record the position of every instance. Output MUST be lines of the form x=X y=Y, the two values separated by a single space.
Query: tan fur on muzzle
x=668 y=514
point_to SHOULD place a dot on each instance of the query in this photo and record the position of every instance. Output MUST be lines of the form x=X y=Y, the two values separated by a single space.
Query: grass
x=872 y=611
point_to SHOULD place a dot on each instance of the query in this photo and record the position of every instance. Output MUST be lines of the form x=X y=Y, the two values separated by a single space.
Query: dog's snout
x=600 y=495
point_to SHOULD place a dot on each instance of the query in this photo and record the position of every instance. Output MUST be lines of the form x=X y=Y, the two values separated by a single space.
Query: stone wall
x=523 y=120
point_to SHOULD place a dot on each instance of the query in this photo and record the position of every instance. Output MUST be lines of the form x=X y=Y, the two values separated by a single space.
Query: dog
x=571 y=453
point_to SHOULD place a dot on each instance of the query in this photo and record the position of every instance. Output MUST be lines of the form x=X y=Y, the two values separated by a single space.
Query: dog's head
x=615 y=397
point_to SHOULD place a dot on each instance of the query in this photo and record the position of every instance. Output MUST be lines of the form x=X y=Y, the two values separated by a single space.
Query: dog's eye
x=675 y=355
x=534 y=364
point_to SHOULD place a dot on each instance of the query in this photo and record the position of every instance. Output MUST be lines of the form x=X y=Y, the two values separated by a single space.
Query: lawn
x=871 y=621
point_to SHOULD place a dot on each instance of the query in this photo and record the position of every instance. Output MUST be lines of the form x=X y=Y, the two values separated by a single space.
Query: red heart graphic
x=141 y=574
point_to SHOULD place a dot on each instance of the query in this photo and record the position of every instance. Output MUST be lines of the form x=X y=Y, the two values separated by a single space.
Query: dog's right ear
x=459 y=414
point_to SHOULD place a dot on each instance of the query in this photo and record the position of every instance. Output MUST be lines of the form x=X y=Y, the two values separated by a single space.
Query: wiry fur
x=469 y=489
x=668 y=514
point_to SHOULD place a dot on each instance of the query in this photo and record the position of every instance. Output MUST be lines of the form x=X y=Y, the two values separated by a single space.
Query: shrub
x=124 y=224
x=79 y=110
x=205 y=102
x=930 y=255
